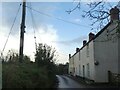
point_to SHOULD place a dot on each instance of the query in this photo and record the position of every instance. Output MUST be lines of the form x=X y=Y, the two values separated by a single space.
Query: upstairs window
x=88 y=70
x=79 y=56
x=87 y=50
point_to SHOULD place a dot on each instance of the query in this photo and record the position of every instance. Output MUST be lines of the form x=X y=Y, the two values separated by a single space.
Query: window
x=87 y=51
x=88 y=70
x=79 y=70
x=83 y=71
x=79 y=56
x=76 y=70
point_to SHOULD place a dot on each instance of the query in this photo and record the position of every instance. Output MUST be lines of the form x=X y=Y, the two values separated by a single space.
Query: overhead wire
x=34 y=26
x=10 y=30
x=57 y=18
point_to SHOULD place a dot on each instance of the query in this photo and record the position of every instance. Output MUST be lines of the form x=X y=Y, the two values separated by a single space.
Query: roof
x=102 y=30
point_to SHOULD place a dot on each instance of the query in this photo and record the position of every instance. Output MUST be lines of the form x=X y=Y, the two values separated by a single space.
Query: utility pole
x=22 y=32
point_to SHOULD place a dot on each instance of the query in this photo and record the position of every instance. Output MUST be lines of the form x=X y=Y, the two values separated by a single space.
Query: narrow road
x=66 y=82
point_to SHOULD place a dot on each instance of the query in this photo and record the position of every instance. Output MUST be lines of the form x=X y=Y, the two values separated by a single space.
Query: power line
x=58 y=18
x=34 y=26
x=10 y=30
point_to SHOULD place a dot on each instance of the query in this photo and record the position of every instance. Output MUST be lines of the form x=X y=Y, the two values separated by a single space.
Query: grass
x=25 y=76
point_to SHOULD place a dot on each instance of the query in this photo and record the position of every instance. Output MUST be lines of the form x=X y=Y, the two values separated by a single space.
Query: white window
x=76 y=70
x=87 y=50
x=88 y=70
x=79 y=70
x=79 y=55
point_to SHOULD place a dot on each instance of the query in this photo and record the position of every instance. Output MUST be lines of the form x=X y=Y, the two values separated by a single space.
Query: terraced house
x=100 y=54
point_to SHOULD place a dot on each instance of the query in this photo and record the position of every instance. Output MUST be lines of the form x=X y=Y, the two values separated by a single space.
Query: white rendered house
x=100 y=54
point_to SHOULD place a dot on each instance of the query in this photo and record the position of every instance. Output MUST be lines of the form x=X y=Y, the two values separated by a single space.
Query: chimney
x=84 y=42
x=69 y=55
x=114 y=14
x=91 y=36
x=77 y=49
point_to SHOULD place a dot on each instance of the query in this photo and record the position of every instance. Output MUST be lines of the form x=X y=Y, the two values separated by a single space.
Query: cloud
x=43 y=35
x=73 y=41
x=63 y=57
x=67 y=47
x=9 y=11
x=77 y=20
x=12 y=42
x=46 y=34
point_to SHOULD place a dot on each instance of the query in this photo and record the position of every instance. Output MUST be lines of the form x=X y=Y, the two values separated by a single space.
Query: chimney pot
x=77 y=49
x=114 y=14
x=84 y=42
x=91 y=36
x=69 y=55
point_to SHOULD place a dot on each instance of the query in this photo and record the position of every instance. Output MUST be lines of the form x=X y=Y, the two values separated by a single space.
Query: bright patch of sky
x=53 y=26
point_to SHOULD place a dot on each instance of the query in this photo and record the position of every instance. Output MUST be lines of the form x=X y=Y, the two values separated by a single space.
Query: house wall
x=71 y=65
x=105 y=49
x=119 y=53
x=85 y=57
x=76 y=63
x=106 y=53
x=86 y=60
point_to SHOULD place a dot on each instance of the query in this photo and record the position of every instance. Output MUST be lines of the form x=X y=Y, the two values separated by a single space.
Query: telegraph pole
x=22 y=27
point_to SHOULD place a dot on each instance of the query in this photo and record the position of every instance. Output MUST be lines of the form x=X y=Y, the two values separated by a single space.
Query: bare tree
x=98 y=12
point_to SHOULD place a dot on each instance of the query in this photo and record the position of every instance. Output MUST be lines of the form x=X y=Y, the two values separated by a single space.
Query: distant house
x=100 y=54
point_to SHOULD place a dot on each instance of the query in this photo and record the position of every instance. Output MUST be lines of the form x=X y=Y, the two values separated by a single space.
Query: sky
x=53 y=26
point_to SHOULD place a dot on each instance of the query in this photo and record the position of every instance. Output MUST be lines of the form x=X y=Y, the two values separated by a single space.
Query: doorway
x=83 y=71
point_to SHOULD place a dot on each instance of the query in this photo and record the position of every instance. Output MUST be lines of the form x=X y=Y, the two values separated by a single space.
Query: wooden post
x=22 y=32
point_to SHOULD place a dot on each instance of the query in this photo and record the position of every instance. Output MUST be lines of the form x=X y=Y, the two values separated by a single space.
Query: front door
x=83 y=71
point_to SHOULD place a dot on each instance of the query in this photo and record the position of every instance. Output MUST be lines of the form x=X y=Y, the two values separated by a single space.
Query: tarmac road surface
x=66 y=82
